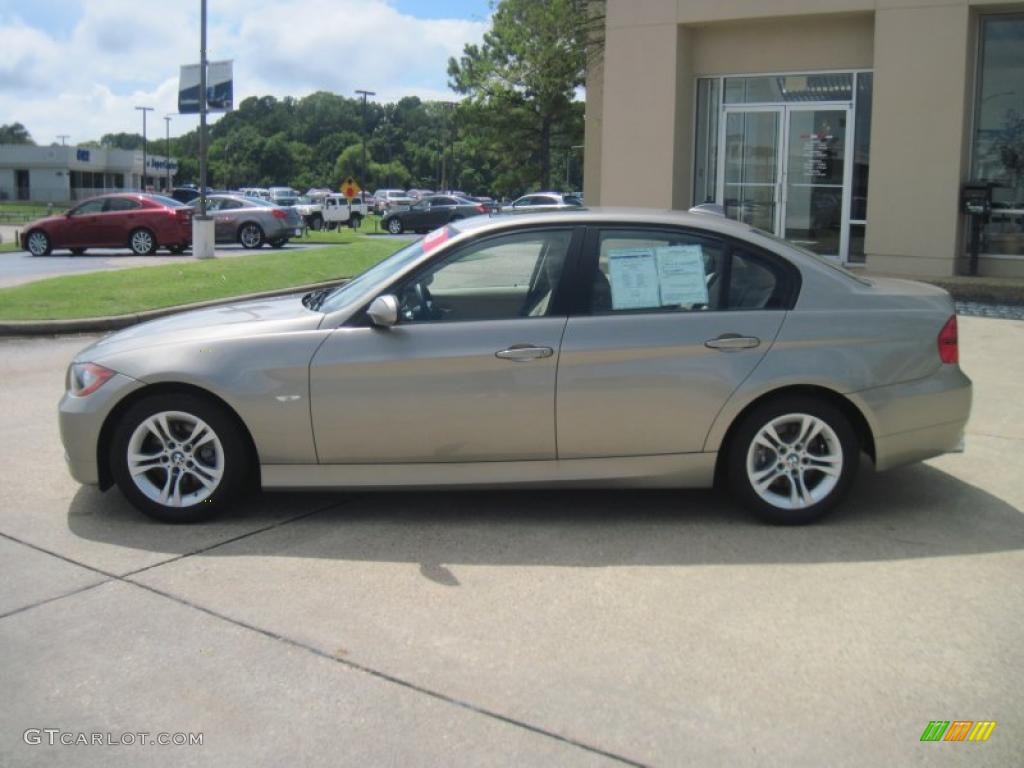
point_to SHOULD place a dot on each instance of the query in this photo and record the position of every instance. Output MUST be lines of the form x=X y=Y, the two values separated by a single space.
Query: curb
x=117 y=322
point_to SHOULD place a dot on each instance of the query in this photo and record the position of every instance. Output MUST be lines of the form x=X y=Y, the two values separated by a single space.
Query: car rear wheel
x=791 y=460
x=38 y=243
x=251 y=236
x=178 y=458
x=142 y=242
x=395 y=226
x=316 y=222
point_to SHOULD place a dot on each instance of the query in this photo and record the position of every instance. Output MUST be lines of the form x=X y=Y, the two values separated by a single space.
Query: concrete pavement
x=539 y=628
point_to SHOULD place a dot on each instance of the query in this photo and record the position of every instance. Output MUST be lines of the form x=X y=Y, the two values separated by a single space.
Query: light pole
x=364 y=94
x=202 y=225
x=167 y=158
x=63 y=136
x=144 y=110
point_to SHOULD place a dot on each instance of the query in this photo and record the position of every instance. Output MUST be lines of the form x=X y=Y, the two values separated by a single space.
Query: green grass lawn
x=8 y=247
x=133 y=290
x=20 y=212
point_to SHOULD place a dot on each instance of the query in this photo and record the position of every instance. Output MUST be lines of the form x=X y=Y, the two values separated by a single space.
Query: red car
x=141 y=222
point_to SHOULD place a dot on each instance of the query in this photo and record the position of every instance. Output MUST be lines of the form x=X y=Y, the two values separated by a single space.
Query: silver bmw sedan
x=588 y=348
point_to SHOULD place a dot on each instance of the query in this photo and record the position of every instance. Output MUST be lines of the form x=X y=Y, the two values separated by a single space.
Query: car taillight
x=279 y=214
x=949 y=346
x=481 y=208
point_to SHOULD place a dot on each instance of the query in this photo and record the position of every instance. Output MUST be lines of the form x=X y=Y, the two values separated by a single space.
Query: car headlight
x=86 y=378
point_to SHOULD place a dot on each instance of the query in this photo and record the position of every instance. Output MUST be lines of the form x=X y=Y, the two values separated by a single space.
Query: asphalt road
x=540 y=628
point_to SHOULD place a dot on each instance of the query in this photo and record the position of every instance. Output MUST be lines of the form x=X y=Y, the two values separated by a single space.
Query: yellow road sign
x=350 y=188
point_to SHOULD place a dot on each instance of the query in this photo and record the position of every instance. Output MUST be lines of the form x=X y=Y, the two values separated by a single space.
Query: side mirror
x=383 y=311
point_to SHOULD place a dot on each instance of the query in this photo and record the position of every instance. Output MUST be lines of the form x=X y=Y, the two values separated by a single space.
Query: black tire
x=142 y=242
x=395 y=226
x=38 y=243
x=234 y=456
x=278 y=243
x=791 y=475
x=77 y=251
x=251 y=235
x=316 y=222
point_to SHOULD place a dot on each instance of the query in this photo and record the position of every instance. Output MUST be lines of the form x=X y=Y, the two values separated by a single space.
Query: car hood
x=45 y=220
x=283 y=314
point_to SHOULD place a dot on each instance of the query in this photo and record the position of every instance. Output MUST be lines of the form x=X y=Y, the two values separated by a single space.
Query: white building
x=62 y=174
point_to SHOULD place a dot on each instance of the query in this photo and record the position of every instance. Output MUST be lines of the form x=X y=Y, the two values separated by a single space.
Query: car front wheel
x=395 y=226
x=38 y=243
x=791 y=460
x=142 y=242
x=178 y=458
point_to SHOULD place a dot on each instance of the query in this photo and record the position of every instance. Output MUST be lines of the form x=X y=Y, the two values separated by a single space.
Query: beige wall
x=921 y=51
x=917 y=139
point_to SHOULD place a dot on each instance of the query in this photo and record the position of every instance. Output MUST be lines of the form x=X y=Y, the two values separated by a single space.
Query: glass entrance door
x=785 y=169
x=815 y=174
x=752 y=166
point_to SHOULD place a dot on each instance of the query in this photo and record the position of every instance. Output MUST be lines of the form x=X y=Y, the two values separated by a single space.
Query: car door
x=468 y=372
x=228 y=217
x=440 y=213
x=674 y=322
x=120 y=216
x=84 y=225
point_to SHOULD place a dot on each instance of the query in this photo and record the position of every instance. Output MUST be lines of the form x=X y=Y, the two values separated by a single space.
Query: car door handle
x=730 y=342
x=521 y=353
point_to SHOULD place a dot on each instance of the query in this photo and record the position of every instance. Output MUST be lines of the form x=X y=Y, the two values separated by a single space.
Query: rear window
x=170 y=202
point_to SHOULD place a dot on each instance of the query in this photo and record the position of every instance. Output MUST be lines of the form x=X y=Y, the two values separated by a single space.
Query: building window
x=705 y=171
x=788 y=89
x=861 y=164
x=997 y=152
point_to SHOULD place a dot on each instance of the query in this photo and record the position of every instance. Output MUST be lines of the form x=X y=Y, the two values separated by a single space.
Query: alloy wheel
x=175 y=459
x=38 y=244
x=794 y=461
x=142 y=242
x=251 y=236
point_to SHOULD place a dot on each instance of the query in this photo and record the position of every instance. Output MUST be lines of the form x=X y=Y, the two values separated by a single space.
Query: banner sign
x=219 y=88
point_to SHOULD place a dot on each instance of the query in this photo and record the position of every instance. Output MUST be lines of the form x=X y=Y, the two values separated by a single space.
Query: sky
x=80 y=67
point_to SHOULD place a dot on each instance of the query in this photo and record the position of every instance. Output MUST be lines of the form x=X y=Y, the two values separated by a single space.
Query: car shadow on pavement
x=915 y=512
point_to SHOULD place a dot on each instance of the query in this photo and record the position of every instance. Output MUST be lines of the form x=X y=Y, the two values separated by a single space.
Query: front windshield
x=303 y=200
x=353 y=290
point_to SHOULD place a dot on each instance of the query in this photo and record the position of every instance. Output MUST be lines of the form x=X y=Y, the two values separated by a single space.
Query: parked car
x=139 y=221
x=338 y=211
x=543 y=201
x=260 y=192
x=386 y=199
x=666 y=349
x=430 y=213
x=419 y=194
x=185 y=194
x=251 y=221
x=311 y=210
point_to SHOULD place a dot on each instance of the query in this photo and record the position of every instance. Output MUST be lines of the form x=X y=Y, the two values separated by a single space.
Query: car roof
x=617 y=215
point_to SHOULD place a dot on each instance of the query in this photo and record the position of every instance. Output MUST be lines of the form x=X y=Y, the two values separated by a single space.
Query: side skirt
x=684 y=470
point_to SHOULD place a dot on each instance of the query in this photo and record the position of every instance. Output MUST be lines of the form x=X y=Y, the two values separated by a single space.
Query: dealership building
x=59 y=174
x=847 y=126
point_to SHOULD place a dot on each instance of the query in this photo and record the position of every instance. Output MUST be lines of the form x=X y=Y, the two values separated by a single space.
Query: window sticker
x=633 y=273
x=681 y=277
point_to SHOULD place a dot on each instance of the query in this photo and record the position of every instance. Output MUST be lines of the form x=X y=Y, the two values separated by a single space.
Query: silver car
x=251 y=221
x=595 y=348
x=540 y=202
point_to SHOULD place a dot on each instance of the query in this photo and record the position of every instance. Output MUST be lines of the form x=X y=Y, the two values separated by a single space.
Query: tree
x=15 y=133
x=122 y=140
x=521 y=83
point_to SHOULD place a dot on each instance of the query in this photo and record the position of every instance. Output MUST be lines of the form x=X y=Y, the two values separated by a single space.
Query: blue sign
x=82 y=155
